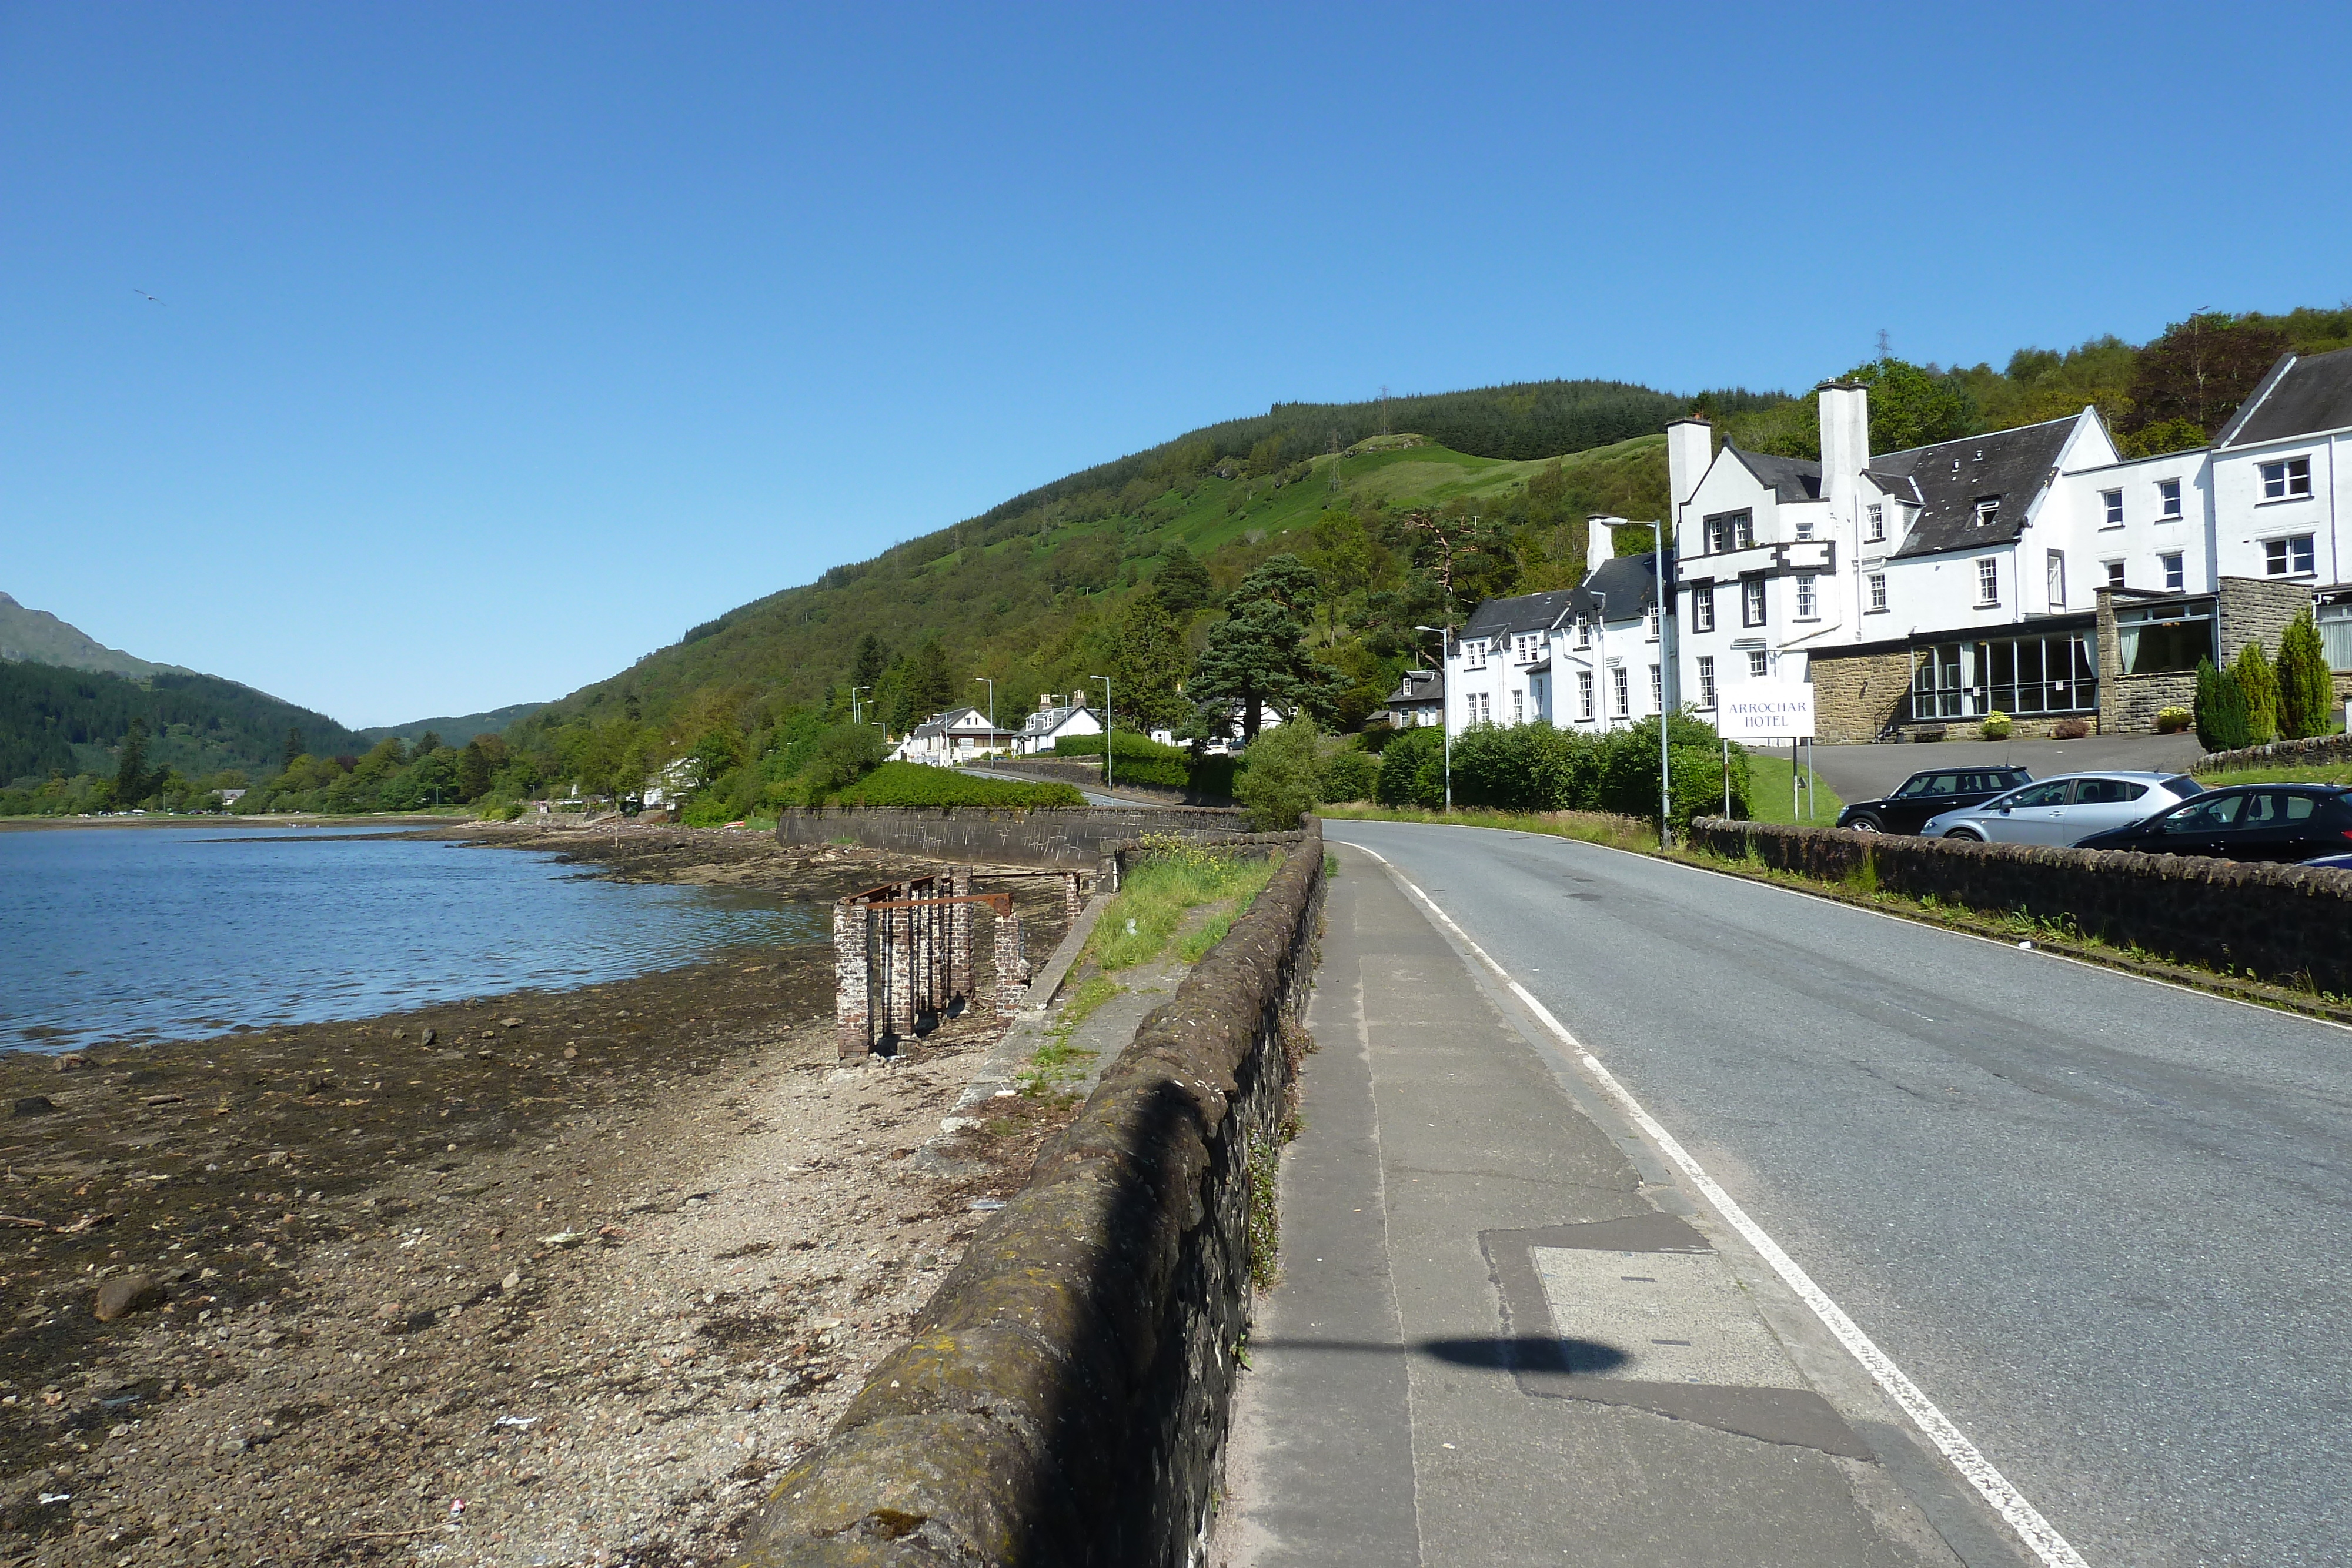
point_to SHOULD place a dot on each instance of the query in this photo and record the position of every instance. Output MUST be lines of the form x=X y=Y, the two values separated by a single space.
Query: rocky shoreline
x=535 y=1278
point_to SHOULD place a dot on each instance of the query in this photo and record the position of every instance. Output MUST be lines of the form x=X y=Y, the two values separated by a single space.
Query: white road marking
x=2038 y=1533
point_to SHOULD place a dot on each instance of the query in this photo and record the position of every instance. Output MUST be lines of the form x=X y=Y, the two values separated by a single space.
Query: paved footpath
x=1504 y=1335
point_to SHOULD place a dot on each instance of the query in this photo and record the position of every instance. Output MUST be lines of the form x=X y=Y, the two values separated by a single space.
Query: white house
x=957 y=736
x=1589 y=657
x=1418 y=701
x=1053 y=719
x=2030 y=571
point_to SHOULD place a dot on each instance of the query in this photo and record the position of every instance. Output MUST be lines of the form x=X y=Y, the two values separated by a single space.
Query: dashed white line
x=2040 y=1536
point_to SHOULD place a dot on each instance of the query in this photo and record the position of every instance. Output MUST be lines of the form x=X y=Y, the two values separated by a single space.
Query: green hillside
x=58 y=721
x=457 y=731
x=36 y=636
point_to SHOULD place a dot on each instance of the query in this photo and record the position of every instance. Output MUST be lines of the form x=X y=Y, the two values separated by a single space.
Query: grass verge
x=1161 y=889
x=1773 y=797
x=2309 y=773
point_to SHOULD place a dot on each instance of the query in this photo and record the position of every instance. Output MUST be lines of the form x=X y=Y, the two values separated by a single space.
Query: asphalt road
x=2105 y=1224
x=1866 y=772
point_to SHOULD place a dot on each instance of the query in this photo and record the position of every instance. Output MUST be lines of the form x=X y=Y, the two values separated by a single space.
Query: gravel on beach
x=546 y=1278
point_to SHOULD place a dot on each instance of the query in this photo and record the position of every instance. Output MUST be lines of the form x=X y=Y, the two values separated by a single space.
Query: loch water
x=164 y=933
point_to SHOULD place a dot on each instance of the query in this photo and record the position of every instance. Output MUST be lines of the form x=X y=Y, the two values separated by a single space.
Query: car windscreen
x=2184 y=786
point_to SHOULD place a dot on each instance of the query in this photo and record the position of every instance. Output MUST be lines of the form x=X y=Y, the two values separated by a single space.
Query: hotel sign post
x=1769 y=710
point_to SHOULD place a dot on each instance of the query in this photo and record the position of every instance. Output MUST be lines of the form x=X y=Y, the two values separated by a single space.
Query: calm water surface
x=164 y=933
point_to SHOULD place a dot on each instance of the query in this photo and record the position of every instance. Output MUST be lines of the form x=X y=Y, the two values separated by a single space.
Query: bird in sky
x=147 y=296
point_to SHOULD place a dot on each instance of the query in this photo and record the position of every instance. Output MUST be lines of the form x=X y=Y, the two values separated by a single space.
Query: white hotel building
x=2030 y=571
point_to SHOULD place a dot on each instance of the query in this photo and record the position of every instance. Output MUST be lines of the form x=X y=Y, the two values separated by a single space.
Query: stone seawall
x=1063 y=1398
x=1075 y=837
x=2284 y=922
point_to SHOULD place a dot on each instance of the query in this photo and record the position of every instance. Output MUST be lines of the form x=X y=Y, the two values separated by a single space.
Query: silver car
x=2065 y=810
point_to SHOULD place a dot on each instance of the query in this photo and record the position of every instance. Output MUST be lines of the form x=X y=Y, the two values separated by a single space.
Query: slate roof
x=1629 y=581
x=1951 y=477
x=941 y=722
x=1418 y=687
x=1045 y=720
x=1789 y=478
x=2301 y=396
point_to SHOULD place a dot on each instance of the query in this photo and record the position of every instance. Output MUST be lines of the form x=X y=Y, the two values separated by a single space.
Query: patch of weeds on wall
x=1265 y=1219
x=1057 y=1061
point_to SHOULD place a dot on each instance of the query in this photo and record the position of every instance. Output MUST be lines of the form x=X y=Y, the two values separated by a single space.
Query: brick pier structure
x=902 y=958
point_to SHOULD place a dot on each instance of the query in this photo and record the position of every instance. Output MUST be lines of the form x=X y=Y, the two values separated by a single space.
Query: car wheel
x=1867 y=824
x=1965 y=835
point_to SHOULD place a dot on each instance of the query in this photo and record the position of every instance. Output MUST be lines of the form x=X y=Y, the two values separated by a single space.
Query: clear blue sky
x=501 y=343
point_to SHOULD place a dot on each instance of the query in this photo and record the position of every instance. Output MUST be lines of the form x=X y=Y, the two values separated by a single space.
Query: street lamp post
x=854 y=717
x=1445 y=710
x=1105 y=681
x=1665 y=758
x=991 y=699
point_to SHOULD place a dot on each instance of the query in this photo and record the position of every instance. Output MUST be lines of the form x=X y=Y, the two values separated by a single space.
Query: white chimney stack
x=1845 y=443
x=1599 y=542
x=1690 y=447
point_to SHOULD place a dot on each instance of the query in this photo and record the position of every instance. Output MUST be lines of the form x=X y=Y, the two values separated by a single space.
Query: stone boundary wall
x=2284 y=923
x=1072 y=837
x=1063 y=1398
x=2318 y=749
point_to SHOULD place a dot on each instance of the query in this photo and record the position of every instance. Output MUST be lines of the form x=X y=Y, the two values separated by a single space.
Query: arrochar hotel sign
x=1767 y=710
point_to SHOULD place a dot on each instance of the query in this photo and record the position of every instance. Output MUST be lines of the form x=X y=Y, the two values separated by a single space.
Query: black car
x=1930 y=794
x=2290 y=823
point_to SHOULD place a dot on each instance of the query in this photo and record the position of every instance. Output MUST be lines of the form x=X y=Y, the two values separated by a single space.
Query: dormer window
x=1804 y=527
x=1987 y=510
x=1650 y=623
x=1583 y=633
x=1874 y=524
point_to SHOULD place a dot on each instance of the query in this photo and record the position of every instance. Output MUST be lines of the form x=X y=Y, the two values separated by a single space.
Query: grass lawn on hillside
x=1773 y=798
x=2319 y=773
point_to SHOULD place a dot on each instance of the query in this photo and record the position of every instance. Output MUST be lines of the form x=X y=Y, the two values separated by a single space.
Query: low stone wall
x=1063 y=1398
x=1076 y=837
x=2311 y=753
x=2284 y=922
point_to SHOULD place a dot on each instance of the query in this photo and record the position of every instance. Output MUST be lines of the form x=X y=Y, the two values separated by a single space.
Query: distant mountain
x=56 y=720
x=37 y=637
x=454 y=731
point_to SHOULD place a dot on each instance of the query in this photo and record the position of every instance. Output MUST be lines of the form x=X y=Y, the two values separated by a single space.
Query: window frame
x=1753 y=610
x=2284 y=545
x=1875 y=589
x=2288 y=479
x=1707 y=683
x=1584 y=694
x=1874 y=524
x=2174 y=564
x=1702 y=607
x=1809 y=596
x=1987 y=581
x=1620 y=690
x=1759 y=664
x=2168 y=501
x=1657 y=688
x=2114 y=502
x=2114 y=570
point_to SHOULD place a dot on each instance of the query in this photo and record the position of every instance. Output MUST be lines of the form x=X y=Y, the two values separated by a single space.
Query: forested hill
x=456 y=730
x=56 y=720
x=1017 y=592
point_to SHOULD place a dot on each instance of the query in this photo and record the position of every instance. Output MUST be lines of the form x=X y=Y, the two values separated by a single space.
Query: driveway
x=1866 y=772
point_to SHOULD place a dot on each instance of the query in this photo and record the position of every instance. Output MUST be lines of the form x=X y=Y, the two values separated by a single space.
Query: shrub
x=1628 y=771
x=2070 y=730
x=1281 y=776
x=918 y=784
x=2171 y=720
x=1137 y=759
x=2259 y=682
x=845 y=754
x=2220 y=712
x=1996 y=726
x=1411 y=769
x=1350 y=775
x=2306 y=692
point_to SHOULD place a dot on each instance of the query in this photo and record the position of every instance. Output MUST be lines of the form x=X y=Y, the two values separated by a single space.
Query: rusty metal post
x=1011 y=965
x=852 y=996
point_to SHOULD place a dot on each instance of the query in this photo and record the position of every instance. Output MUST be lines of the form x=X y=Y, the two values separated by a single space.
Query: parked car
x=2066 y=810
x=1928 y=794
x=2245 y=823
x=2339 y=862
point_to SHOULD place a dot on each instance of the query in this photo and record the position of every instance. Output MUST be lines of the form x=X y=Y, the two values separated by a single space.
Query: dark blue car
x=2290 y=823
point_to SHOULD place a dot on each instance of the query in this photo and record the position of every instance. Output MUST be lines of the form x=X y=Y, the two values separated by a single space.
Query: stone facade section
x=853 y=984
x=1857 y=695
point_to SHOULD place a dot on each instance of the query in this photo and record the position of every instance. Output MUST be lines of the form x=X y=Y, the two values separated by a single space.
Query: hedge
x=918 y=784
